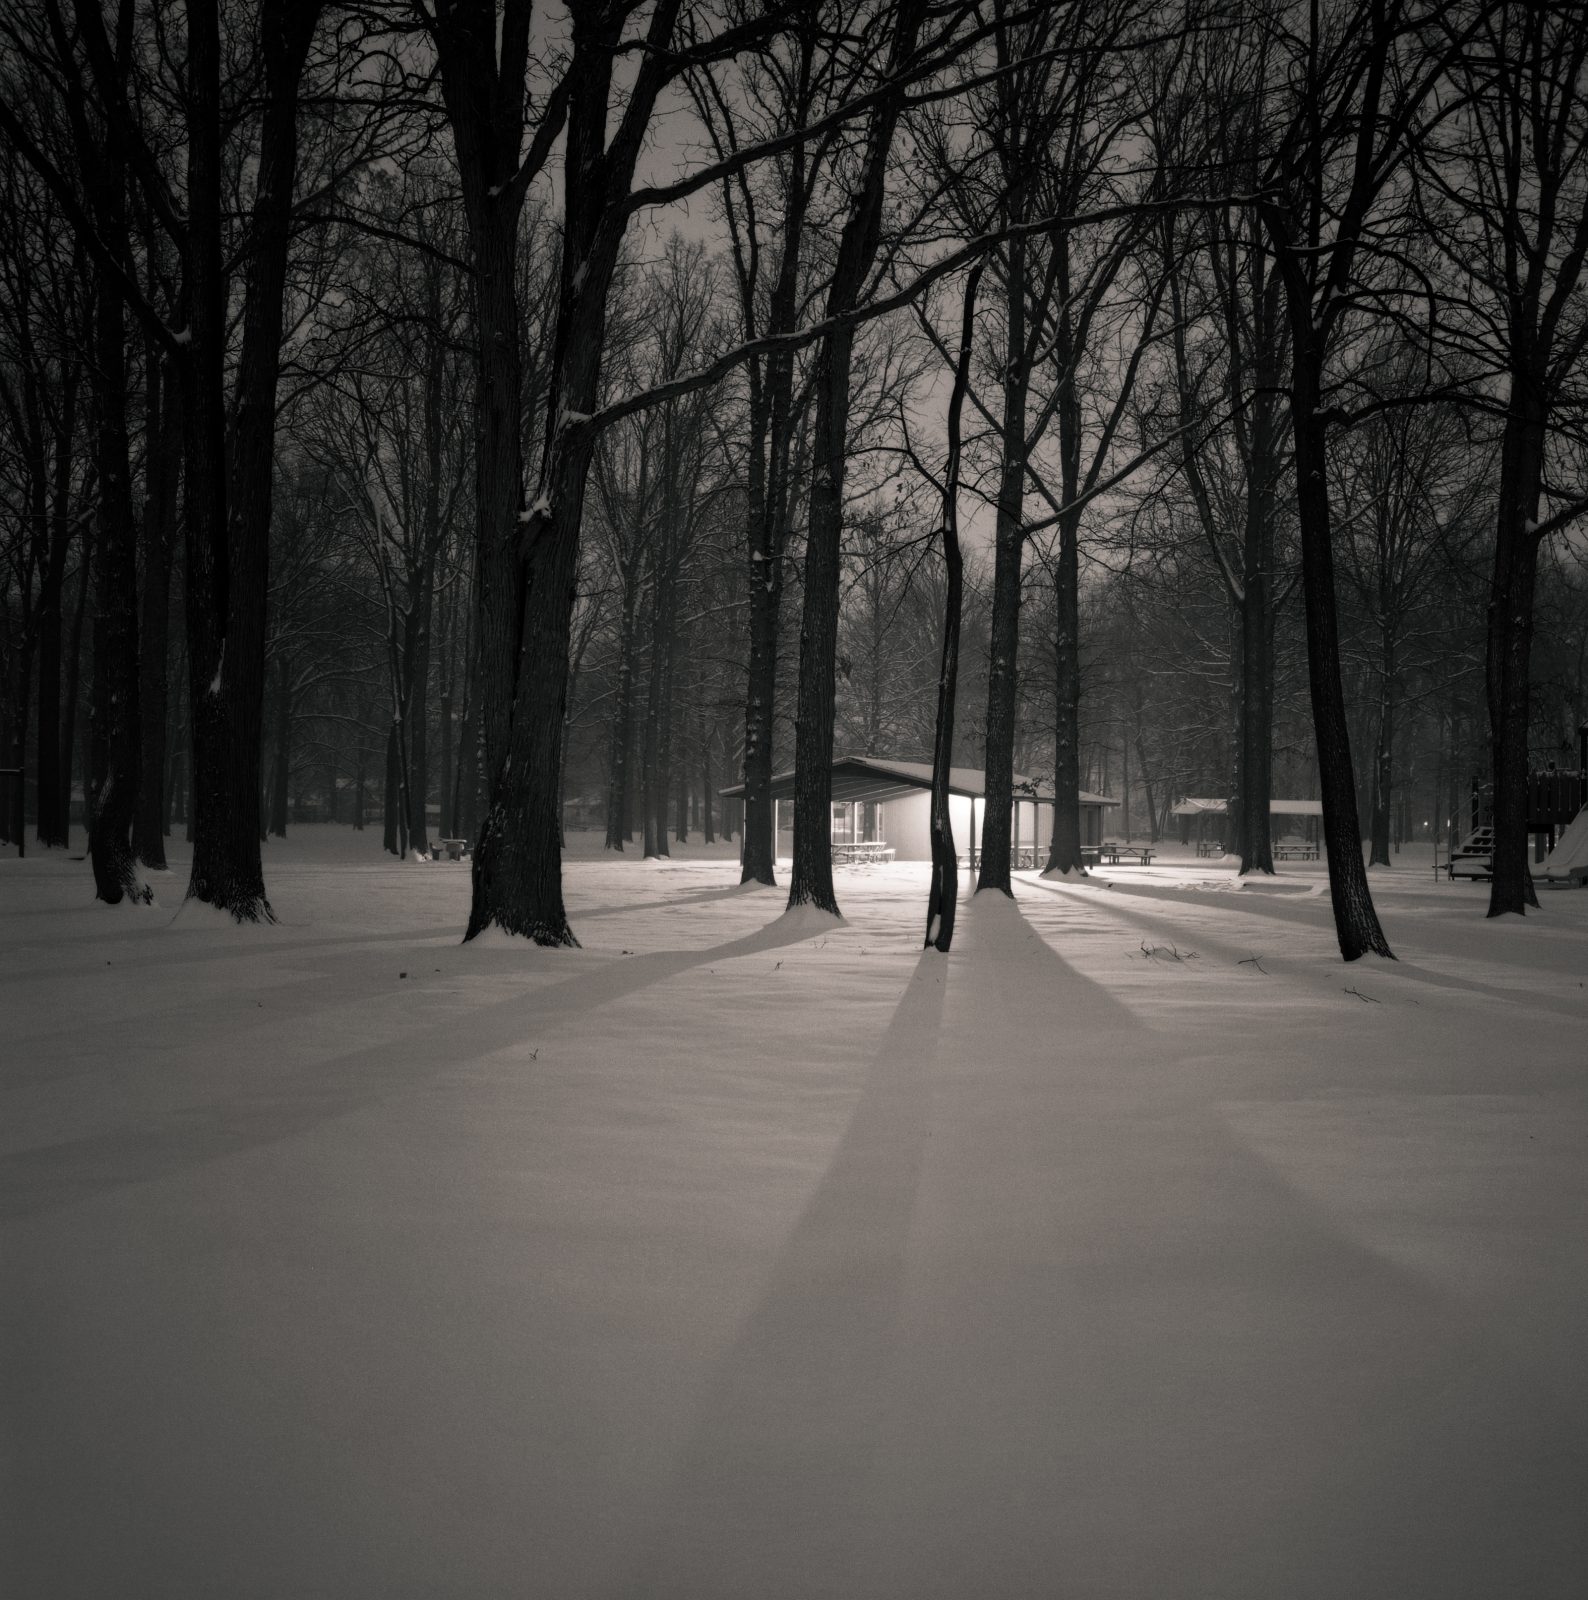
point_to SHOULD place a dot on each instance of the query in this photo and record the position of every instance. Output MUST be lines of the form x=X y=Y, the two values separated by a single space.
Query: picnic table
x=870 y=852
x=1116 y=854
x=1027 y=858
x=456 y=849
x=1210 y=847
x=1295 y=852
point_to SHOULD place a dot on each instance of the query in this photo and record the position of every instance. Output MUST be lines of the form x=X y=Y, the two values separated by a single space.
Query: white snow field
x=733 y=1256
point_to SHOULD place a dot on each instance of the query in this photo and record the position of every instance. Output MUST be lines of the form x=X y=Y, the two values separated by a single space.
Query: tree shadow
x=284 y=1105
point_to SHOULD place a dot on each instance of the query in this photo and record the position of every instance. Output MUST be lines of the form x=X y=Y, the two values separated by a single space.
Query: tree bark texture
x=811 y=880
x=161 y=474
x=1009 y=548
x=228 y=514
x=115 y=768
x=1355 y=918
x=622 y=730
x=53 y=755
x=1510 y=643
x=942 y=902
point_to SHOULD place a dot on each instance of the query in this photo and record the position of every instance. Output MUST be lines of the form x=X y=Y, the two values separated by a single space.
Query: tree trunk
x=622 y=731
x=1064 y=851
x=395 y=838
x=228 y=515
x=765 y=586
x=1257 y=627
x=115 y=680
x=54 y=818
x=942 y=901
x=1009 y=547
x=708 y=833
x=161 y=471
x=449 y=821
x=517 y=874
x=1383 y=765
x=417 y=737
x=1355 y=919
x=678 y=748
x=1510 y=643
x=282 y=764
x=653 y=787
x=811 y=880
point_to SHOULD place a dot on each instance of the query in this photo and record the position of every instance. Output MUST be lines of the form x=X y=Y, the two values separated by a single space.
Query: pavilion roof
x=1193 y=806
x=883 y=778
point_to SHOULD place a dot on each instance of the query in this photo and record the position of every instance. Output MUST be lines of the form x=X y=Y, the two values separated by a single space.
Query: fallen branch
x=1360 y=996
x=1168 y=951
x=1254 y=961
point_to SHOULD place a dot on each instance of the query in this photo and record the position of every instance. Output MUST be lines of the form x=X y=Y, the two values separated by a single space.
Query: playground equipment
x=1567 y=863
x=1557 y=818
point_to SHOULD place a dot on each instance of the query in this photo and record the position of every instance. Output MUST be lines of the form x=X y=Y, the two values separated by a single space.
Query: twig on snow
x=1169 y=952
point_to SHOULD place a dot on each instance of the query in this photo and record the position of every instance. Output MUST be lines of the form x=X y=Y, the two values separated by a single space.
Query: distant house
x=879 y=800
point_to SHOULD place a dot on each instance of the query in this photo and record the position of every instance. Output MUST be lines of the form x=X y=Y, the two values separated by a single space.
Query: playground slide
x=1569 y=858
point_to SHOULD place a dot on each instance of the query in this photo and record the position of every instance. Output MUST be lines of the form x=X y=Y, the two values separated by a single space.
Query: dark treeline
x=483 y=422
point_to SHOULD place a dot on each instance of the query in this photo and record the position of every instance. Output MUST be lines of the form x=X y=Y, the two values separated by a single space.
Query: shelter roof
x=882 y=778
x=1192 y=806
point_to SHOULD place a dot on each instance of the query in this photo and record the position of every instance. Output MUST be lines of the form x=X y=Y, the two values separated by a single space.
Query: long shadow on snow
x=1410 y=970
x=795 y=1413
x=1127 y=1306
x=49 y=1176
x=144 y=955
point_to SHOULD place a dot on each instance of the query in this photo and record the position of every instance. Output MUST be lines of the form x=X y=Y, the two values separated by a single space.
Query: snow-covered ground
x=1125 y=1254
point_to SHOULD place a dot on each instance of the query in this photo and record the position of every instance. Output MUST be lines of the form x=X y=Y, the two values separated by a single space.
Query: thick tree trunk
x=228 y=516
x=54 y=820
x=769 y=501
x=162 y=470
x=942 y=901
x=1510 y=644
x=395 y=836
x=765 y=582
x=114 y=778
x=1355 y=919
x=811 y=880
x=1009 y=548
x=517 y=876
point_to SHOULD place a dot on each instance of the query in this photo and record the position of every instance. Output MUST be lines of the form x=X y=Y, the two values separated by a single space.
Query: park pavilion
x=887 y=803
